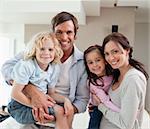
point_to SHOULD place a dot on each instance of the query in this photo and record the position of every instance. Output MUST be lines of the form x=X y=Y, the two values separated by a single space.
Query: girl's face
x=115 y=55
x=96 y=63
x=45 y=54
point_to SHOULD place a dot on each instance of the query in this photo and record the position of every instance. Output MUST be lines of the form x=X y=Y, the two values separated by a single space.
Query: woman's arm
x=132 y=99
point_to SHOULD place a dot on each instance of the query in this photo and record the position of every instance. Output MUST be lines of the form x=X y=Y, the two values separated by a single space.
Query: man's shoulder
x=78 y=54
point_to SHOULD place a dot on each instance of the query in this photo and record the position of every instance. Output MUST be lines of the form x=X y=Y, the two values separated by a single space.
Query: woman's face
x=115 y=55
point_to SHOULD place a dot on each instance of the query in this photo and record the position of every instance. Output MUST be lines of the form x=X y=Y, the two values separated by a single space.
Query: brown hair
x=63 y=17
x=123 y=41
x=91 y=76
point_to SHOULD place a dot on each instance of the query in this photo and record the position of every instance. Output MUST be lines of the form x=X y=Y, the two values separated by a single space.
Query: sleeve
x=130 y=101
x=8 y=66
x=54 y=76
x=105 y=99
x=82 y=91
x=22 y=72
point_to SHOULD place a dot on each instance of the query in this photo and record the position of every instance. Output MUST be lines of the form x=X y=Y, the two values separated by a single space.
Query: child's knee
x=59 y=110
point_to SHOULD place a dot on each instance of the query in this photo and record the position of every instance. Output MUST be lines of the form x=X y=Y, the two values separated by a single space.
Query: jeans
x=23 y=114
x=95 y=118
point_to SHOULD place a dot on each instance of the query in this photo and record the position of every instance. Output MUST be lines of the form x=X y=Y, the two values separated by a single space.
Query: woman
x=128 y=88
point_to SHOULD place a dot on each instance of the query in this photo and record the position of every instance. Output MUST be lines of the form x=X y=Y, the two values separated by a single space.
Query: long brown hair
x=123 y=41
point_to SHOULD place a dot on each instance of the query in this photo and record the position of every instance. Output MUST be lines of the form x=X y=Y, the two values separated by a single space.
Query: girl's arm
x=19 y=96
x=105 y=99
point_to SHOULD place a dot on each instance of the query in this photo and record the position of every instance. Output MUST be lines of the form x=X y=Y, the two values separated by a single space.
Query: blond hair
x=37 y=42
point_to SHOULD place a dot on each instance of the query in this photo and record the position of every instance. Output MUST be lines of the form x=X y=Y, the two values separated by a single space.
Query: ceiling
x=41 y=11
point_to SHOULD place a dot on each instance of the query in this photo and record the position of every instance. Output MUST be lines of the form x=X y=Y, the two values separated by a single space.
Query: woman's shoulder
x=134 y=74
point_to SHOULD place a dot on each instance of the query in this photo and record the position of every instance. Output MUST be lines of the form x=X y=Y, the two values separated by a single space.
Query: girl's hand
x=97 y=100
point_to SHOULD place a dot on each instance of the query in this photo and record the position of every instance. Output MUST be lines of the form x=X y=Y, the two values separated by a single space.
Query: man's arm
x=40 y=103
x=75 y=109
x=82 y=91
x=8 y=66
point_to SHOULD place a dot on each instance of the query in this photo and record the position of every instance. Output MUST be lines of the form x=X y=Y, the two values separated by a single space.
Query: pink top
x=101 y=92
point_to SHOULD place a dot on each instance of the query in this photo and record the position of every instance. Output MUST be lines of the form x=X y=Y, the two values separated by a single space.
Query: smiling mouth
x=46 y=57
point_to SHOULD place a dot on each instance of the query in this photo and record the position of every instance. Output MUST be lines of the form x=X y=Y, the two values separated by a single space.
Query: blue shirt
x=26 y=71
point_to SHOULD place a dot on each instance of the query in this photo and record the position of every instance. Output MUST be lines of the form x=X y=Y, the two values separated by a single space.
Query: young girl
x=99 y=81
x=40 y=67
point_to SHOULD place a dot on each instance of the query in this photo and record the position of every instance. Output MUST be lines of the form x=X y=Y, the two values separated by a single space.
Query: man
x=72 y=80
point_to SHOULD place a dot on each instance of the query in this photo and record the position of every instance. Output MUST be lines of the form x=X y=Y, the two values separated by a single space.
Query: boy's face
x=65 y=35
x=45 y=54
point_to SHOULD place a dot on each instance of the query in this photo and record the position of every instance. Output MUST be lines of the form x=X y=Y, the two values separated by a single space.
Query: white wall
x=14 y=35
x=97 y=27
x=141 y=51
x=16 y=32
x=141 y=43
x=30 y=30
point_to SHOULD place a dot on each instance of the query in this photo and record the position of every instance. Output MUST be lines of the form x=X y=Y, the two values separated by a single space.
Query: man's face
x=65 y=35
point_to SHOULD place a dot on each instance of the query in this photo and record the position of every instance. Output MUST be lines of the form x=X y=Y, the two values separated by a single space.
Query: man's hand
x=40 y=103
x=42 y=117
x=69 y=109
x=40 y=108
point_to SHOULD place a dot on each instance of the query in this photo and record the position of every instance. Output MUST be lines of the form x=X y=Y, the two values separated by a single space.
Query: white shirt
x=63 y=86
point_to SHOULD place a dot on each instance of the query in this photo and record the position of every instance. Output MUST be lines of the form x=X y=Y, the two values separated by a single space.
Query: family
x=52 y=80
